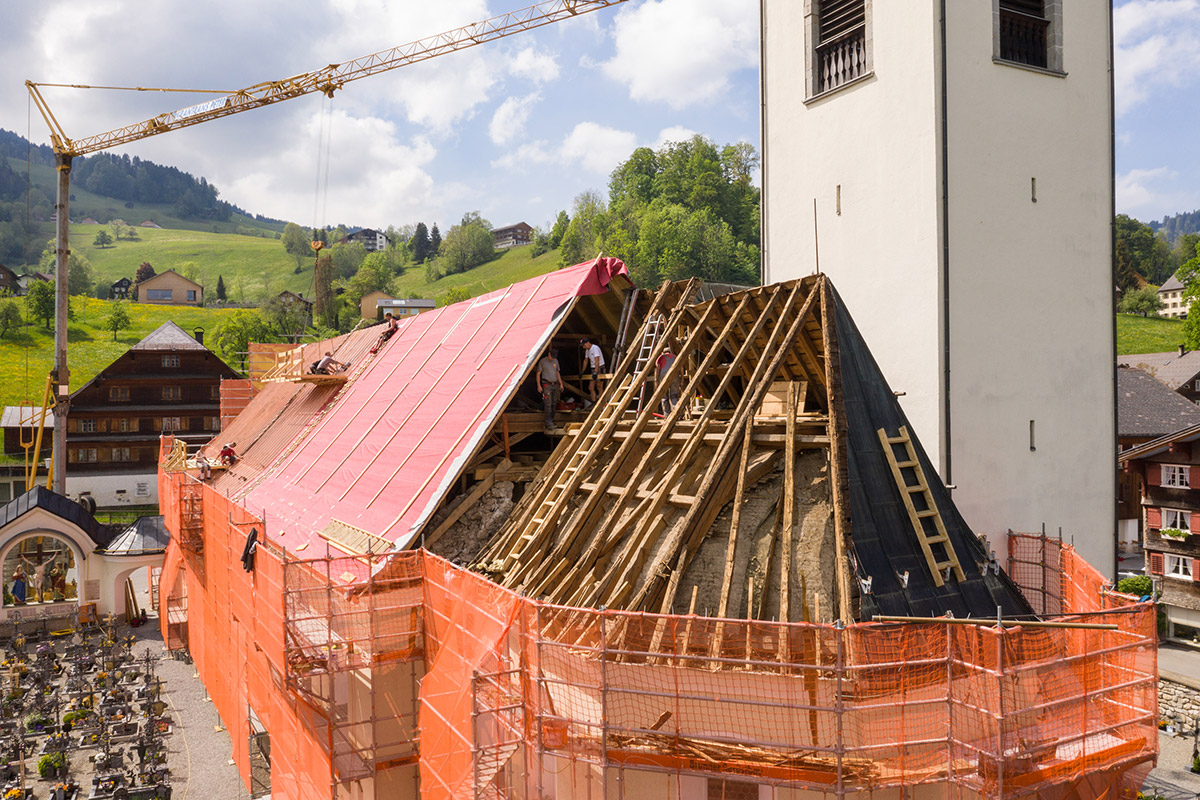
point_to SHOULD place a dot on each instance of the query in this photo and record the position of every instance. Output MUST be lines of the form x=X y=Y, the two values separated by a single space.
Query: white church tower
x=949 y=164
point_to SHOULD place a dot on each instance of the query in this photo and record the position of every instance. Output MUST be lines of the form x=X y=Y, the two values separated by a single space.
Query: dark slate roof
x=1147 y=407
x=169 y=336
x=60 y=506
x=1171 y=285
x=145 y=535
x=1171 y=368
x=884 y=543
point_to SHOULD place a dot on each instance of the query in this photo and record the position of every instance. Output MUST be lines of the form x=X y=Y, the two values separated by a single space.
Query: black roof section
x=146 y=535
x=1147 y=407
x=884 y=543
x=60 y=506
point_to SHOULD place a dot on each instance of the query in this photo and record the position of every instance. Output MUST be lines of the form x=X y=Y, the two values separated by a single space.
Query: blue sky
x=514 y=129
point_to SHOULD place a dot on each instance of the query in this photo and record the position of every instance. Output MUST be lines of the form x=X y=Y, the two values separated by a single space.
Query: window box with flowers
x=1174 y=533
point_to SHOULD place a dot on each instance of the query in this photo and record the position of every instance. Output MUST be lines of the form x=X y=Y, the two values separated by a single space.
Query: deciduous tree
x=39 y=301
x=118 y=318
x=296 y=243
x=102 y=239
x=233 y=336
x=10 y=316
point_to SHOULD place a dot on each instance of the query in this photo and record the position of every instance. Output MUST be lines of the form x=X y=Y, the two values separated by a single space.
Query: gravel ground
x=1172 y=778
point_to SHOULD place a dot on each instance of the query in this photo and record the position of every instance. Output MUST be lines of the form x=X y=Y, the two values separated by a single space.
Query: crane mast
x=326 y=80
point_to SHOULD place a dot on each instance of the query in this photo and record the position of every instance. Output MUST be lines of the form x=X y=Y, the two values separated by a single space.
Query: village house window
x=1176 y=476
x=126 y=427
x=1177 y=566
x=83 y=455
x=1029 y=33
x=170 y=361
x=121 y=454
x=214 y=392
x=171 y=393
x=191 y=295
x=170 y=423
x=87 y=426
x=1179 y=520
x=118 y=394
x=158 y=294
x=212 y=423
x=841 y=43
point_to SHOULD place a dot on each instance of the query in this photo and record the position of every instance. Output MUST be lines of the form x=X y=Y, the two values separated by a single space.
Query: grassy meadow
x=511 y=266
x=27 y=355
x=1136 y=334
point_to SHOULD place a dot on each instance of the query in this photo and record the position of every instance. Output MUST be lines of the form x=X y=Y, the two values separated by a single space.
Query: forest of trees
x=1177 y=225
x=687 y=209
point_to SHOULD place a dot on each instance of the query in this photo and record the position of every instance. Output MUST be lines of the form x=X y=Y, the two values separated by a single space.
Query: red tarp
x=385 y=452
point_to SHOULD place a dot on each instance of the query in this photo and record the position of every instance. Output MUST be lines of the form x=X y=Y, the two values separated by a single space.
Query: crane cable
x=321 y=189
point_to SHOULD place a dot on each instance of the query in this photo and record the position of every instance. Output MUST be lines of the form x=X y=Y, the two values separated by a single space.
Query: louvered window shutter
x=839 y=16
x=1196 y=570
x=1156 y=563
x=1034 y=8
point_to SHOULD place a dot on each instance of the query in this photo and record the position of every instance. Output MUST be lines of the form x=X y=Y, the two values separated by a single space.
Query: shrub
x=1138 y=586
x=50 y=764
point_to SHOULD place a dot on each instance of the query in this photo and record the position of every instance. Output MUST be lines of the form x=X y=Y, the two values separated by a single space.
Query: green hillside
x=27 y=356
x=248 y=263
x=1137 y=334
x=511 y=266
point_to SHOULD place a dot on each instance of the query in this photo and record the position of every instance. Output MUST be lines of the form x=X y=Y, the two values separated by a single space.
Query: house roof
x=55 y=503
x=1147 y=407
x=163 y=274
x=122 y=282
x=511 y=227
x=1171 y=368
x=22 y=416
x=292 y=296
x=386 y=450
x=1160 y=445
x=145 y=535
x=169 y=336
x=1172 y=284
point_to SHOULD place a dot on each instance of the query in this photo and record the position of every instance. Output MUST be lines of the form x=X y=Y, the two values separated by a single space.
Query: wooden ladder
x=650 y=335
x=565 y=482
x=930 y=511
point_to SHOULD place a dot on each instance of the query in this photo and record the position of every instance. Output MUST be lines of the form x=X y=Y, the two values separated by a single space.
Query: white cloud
x=598 y=148
x=676 y=133
x=1151 y=193
x=509 y=120
x=683 y=52
x=532 y=65
x=528 y=154
x=1157 y=44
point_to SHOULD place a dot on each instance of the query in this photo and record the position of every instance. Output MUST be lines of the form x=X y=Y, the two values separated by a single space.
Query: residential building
x=167 y=383
x=369 y=305
x=371 y=239
x=402 y=307
x=23 y=281
x=120 y=289
x=1146 y=410
x=512 y=236
x=1170 y=471
x=290 y=299
x=937 y=160
x=1171 y=295
x=1178 y=370
x=9 y=280
x=170 y=289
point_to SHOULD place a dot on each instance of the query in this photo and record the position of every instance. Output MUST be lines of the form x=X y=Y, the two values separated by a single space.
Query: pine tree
x=221 y=288
x=435 y=241
x=420 y=244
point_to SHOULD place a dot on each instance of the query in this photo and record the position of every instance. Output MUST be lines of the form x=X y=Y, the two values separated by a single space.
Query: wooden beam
x=472 y=497
x=837 y=456
x=789 y=504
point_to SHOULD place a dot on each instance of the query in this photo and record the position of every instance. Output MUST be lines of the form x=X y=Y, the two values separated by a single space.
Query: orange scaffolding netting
x=401 y=675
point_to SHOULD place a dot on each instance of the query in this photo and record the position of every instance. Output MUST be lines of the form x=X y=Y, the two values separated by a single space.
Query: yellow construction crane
x=326 y=80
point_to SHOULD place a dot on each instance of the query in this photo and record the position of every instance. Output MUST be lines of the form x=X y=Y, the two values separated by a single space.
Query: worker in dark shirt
x=550 y=386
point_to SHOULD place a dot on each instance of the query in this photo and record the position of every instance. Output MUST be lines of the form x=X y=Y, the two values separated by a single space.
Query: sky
x=513 y=129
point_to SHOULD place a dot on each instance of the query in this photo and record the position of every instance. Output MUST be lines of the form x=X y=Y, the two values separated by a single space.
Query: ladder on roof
x=924 y=518
x=568 y=478
x=650 y=335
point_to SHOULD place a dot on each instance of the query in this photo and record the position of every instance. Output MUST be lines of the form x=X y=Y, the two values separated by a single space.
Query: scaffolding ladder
x=650 y=335
x=930 y=512
x=191 y=518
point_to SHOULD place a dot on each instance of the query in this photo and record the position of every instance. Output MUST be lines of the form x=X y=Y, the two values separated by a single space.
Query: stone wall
x=1178 y=701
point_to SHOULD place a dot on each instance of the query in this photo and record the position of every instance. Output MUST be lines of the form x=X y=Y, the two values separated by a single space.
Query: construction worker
x=593 y=363
x=663 y=364
x=549 y=386
x=328 y=365
x=393 y=322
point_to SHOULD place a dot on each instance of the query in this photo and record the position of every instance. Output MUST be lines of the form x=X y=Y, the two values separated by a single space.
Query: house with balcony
x=1169 y=469
x=512 y=236
x=371 y=239
x=169 y=382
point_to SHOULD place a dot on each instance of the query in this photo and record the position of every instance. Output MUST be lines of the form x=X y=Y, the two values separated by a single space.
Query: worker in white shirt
x=594 y=363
